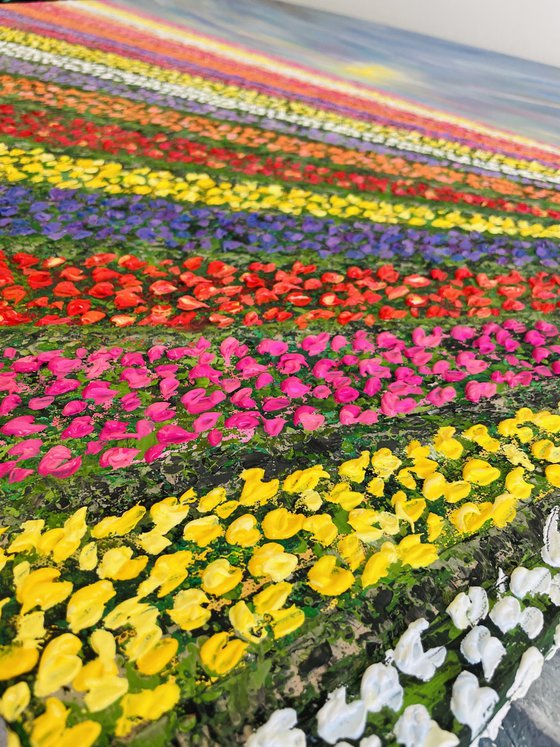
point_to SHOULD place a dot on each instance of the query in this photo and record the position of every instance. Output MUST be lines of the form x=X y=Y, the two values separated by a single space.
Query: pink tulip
x=215 y=437
x=9 y=403
x=153 y=453
x=78 y=428
x=24 y=425
x=174 y=434
x=294 y=387
x=73 y=407
x=345 y=394
x=18 y=474
x=321 y=392
x=274 y=426
x=26 y=449
x=264 y=380
x=39 y=403
x=168 y=386
x=272 y=347
x=206 y=421
x=338 y=342
x=349 y=414
x=62 y=386
x=243 y=421
x=315 y=344
x=99 y=392
x=7 y=467
x=58 y=462
x=308 y=418
x=231 y=347
x=290 y=363
x=159 y=412
x=271 y=404
x=118 y=457
x=242 y=398
x=440 y=396
x=462 y=333
x=475 y=390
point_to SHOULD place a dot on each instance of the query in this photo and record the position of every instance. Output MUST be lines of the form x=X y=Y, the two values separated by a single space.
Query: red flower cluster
x=127 y=290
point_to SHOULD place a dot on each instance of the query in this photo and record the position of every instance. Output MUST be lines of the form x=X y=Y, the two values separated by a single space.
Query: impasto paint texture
x=279 y=425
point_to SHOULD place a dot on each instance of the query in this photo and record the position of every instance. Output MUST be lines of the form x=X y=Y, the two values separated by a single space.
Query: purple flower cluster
x=59 y=214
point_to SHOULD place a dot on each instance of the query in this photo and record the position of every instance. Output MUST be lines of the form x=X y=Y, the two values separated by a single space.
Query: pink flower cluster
x=118 y=407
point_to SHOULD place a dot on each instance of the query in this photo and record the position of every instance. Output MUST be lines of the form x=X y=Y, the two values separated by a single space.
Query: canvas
x=279 y=425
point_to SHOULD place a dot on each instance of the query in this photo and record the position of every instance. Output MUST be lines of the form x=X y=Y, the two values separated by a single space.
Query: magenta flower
x=206 y=421
x=308 y=418
x=24 y=425
x=294 y=387
x=118 y=456
x=59 y=463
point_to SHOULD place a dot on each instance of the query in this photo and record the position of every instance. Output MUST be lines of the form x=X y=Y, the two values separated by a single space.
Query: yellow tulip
x=304 y=479
x=117 y=526
x=255 y=491
x=28 y=538
x=415 y=553
x=447 y=445
x=361 y=520
x=272 y=561
x=59 y=664
x=158 y=657
x=547 y=421
x=219 y=577
x=272 y=597
x=504 y=509
x=456 y=491
x=478 y=471
x=516 y=485
x=384 y=462
x=244 y=622
x=423 y=467
x=40 y=588
x=16 y=660
x=434 y=486
x=147 y=705
x=87 y=605
x=552 y=473
x=404 y=476
x=119 y=565
x=203 y=531
x=168 y=572
x=408 y=510
x=545 y=449
x=378 y=564
x=88 y=557
x=152 y=542
x=281 y=524
x=212 y=499
x=376 y=487
x=355 y=469
x=351 y=551
x=479 y=434
x=14 y=701
x=285 y=621
x=167 y=513
x=49 y=729
x=322 y=528
x=329 y=579
x=345 y=497
x=188 y=611
x=470 y=517
x=220 y=655
x=435 y=525
x=310 y=500
x=243 y=531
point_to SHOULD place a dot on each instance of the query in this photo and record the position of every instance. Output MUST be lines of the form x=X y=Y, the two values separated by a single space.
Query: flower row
x=41 y=167
x=51 y=51
x=207 y=132
x=114 y=408
x=218 y=575
x=58 y=214
x=41 y=126
x=267 y=128
x=126 y=290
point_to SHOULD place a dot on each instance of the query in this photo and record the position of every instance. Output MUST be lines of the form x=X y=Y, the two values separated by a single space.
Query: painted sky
x=503 y=91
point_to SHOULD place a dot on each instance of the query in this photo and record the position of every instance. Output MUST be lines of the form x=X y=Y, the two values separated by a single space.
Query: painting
x=279 y=411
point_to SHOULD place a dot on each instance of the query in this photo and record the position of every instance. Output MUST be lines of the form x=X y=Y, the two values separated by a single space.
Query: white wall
x=522 y=28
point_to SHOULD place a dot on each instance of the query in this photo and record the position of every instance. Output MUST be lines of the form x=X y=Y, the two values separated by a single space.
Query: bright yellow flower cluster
x=141 y=588
x=269 y=105
x=65 y=172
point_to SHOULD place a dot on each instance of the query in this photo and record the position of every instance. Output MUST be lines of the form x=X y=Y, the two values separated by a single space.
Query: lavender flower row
x=70 y=214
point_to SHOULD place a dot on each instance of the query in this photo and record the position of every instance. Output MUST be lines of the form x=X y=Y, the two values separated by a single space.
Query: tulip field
x=279 y=402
